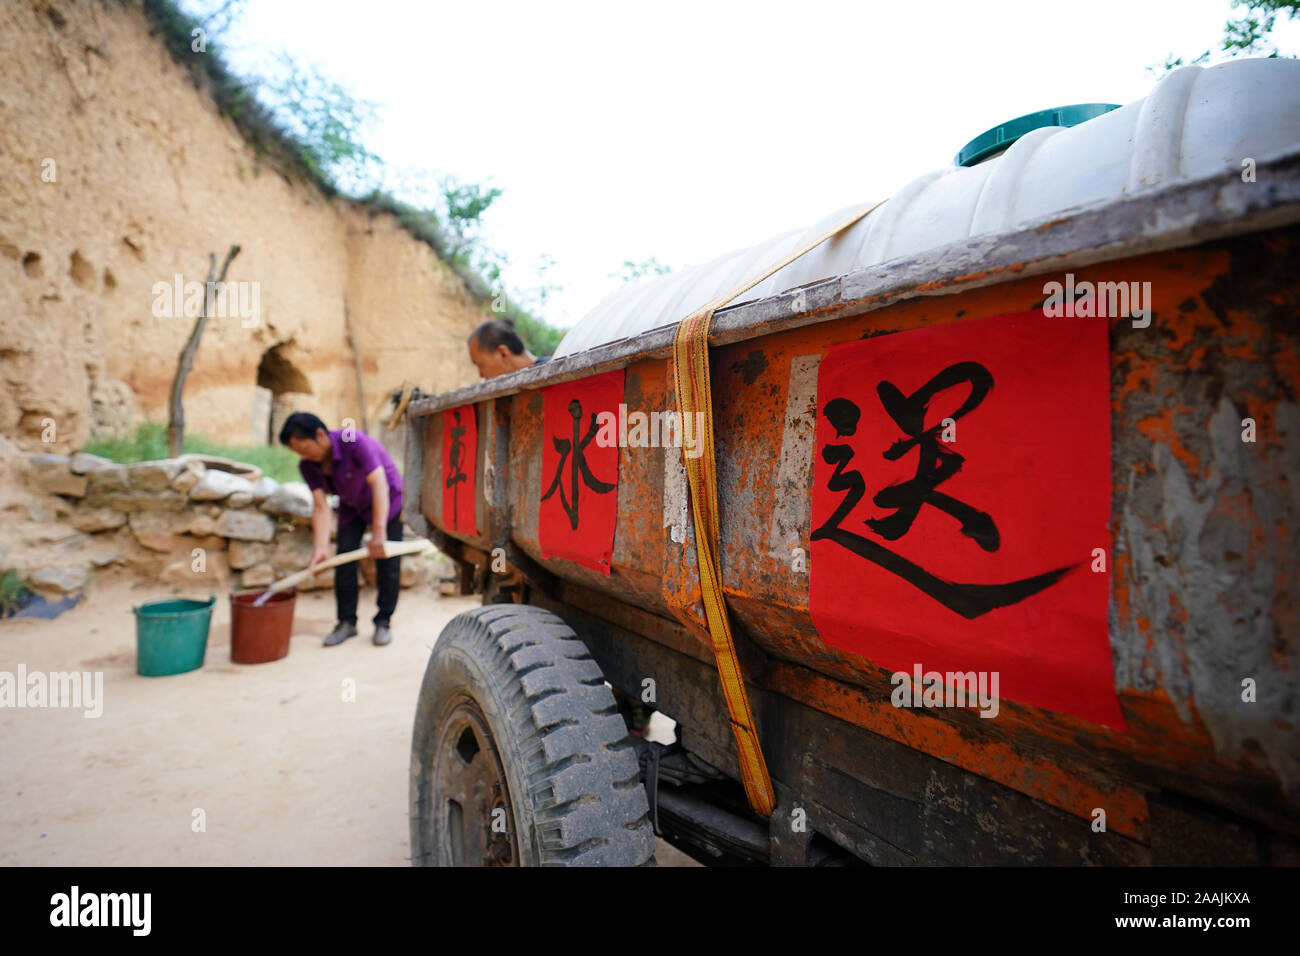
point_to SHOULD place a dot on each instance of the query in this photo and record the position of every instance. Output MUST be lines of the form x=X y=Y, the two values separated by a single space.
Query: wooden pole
x=176 y=409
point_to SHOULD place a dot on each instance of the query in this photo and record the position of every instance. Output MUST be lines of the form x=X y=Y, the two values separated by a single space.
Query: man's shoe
x=340 y=634
x=382 y=634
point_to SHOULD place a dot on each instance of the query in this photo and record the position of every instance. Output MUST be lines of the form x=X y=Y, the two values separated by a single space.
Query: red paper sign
x=961 y=482
x=459 y=451
x=579 y=495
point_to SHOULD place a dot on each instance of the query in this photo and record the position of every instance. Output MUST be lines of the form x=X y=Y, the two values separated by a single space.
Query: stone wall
x=189 y=522
x=117 y=174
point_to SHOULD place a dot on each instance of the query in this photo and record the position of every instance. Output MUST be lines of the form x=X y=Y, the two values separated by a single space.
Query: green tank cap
x=1000 y=137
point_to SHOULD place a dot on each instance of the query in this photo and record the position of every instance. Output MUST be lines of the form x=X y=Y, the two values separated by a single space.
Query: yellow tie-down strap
x=694 y=395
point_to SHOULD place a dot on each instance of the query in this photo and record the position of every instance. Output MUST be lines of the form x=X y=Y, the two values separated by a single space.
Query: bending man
x=354 y=466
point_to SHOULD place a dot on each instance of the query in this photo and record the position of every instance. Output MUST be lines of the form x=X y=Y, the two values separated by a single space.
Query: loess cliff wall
x=116 y=174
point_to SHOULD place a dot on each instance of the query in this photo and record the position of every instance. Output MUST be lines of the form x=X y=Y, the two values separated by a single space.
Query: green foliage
x=1248 y=34
x=460 y=207
x=1245 y=36
x=537 y=297
x=538 y=336
x=11 y=592
x=324 y=121
x=463 y=207
x=235 y=97
x=1172 y=62
x=149 y=443
x=222 y=14
x=421 y=223
x=631 y=271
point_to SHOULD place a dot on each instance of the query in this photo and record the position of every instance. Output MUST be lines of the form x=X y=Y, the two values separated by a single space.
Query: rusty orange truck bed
x=1146 y=709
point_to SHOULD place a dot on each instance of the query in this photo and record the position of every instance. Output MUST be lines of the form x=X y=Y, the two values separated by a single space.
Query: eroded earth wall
x=117 y=175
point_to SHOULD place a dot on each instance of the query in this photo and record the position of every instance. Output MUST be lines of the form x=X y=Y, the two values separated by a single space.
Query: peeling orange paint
x=1122 y=569
x=1160 y=428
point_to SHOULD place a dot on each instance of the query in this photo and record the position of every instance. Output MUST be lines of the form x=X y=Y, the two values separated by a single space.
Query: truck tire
x=519 y=756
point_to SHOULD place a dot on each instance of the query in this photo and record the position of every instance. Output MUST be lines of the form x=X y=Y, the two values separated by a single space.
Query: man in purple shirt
x=352 y=465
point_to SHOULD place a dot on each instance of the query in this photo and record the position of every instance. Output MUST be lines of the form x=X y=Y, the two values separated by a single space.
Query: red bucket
x=260 y=634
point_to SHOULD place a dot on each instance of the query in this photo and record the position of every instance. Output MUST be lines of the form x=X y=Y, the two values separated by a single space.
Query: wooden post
x=176 y=409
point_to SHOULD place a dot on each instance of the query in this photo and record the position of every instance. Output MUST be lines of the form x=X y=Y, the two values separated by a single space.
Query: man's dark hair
x=301 y=425
x=493 y=333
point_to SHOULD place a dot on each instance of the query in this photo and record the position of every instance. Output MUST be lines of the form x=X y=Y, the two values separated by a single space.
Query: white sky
x=685 y=130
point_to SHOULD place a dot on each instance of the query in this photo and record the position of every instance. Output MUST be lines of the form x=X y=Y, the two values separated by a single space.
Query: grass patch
x=149 y=443
x=11 y=592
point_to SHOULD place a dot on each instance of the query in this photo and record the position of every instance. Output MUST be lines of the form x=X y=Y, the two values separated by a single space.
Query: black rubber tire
x=571 y=770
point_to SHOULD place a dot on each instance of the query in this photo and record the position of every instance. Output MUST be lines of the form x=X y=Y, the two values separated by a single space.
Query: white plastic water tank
x=1196 y=122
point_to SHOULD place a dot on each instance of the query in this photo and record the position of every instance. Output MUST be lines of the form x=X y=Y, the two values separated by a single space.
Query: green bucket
x=171 y=637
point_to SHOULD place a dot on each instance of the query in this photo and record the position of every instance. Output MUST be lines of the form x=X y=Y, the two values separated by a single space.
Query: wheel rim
x=474 y=821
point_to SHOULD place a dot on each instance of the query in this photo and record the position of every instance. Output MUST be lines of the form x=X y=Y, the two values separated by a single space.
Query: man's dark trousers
x=387 y=570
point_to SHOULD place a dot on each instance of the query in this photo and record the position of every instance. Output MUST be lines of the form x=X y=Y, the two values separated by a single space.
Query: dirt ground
x=284 y=770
